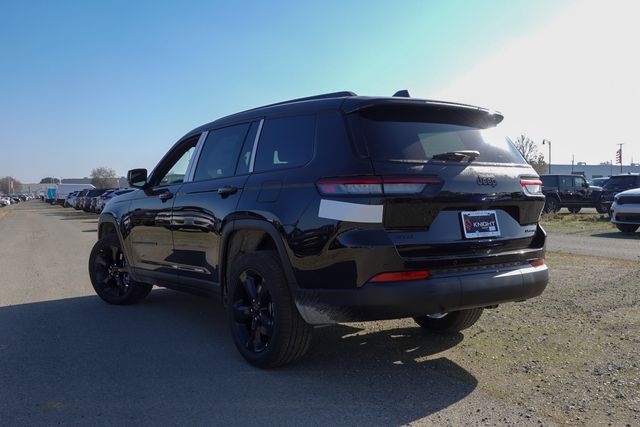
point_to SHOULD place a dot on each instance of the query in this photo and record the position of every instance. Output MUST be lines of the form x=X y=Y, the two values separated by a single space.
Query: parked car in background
x=600 y=181
x=5 y=201
x=71 y=199
x=80 y=199
x=334 y=208
x=568 y=191
x=89 y=198
x=104 y=199
x=625 y=210
x=615 y=185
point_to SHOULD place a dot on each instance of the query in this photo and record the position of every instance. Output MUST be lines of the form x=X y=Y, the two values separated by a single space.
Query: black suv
x=568 y=191
x=333 y=208
x=615 y=185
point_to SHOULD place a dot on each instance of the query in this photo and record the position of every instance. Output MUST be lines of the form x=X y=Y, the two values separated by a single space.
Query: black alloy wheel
x=253 y=311
x=109 y=273
x=551 y=205
x=266 y=326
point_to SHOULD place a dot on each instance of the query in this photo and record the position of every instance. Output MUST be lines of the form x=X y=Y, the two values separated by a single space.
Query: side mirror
x=585 y=184
x=137 y=178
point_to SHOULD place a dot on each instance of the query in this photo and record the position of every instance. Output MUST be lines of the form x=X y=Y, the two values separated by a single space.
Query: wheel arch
x=246 y=235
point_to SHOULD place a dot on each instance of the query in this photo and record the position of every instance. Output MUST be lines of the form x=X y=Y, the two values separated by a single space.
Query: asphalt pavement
x=68 y=358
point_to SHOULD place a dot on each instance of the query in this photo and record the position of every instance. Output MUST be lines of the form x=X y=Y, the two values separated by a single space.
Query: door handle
x=227 y=190
x=166 y=196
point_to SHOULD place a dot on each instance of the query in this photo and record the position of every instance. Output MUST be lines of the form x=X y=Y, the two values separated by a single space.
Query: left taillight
x=531 y=186
x=374 y=186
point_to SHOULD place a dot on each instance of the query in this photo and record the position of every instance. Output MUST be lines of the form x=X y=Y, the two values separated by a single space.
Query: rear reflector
x=374 y=186
x=400 y=276
x=531 y=186
x=537 y=262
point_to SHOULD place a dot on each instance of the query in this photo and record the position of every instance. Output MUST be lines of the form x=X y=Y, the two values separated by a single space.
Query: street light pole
x=548 y=143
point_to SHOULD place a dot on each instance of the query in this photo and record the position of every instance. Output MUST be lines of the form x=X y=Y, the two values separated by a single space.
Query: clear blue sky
x=116 y=83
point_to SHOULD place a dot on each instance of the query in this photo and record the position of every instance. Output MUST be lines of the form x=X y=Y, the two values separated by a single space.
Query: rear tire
x=447 y=323
x=627 y=228
x=108 y=270
x=601 y=209
x=265 y=324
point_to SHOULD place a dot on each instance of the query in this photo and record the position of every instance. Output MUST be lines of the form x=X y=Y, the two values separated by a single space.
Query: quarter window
x=285 y=143
x=220 y=152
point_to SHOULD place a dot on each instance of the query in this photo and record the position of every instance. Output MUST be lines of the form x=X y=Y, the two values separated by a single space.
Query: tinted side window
x=621 y=182
x=578 y=181
x=285 y=142
x=220 y=152
x=549 y=181
x=566 y=182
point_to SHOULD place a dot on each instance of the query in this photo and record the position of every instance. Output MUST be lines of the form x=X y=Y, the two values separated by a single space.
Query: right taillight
x=531 y=186
x=374 y=186
x=537 y=262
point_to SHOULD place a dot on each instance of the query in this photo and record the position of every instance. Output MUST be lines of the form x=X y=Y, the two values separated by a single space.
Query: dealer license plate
x=478 y=224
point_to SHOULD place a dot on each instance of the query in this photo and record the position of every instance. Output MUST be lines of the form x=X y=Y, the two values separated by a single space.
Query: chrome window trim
x=252 y=161
x=191 y=169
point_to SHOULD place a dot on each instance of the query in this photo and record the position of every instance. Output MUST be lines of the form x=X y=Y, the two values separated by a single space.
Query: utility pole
x=549 y=143
x=573 y=157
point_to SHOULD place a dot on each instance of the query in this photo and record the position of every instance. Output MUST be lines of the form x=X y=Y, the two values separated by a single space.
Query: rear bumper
x=442 y=292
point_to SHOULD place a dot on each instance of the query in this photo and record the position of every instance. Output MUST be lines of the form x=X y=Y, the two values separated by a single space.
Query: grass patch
x=580 y=223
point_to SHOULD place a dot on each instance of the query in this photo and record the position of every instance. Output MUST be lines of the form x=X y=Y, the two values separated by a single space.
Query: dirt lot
x=571 y=356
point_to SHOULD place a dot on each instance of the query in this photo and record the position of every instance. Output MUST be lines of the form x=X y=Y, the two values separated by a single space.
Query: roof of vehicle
x=624 y=174
x=630 y=192
x=347 y=101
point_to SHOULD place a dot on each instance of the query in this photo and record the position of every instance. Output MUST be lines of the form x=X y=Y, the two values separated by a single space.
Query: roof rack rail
x=311 y=98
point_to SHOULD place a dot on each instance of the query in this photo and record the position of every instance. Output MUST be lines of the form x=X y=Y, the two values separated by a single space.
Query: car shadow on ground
x=617 y=235
x=70 y=213
x=81 y=360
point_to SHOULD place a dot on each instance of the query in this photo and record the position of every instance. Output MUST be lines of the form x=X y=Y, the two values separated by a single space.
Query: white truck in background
x=63 y=190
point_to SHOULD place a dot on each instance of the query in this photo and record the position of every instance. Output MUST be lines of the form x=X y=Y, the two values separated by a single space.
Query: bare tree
x=103 y=177
x=10 y=185
x=529 y=150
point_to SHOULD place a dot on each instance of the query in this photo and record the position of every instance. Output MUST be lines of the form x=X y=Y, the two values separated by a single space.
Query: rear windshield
x=400 y=133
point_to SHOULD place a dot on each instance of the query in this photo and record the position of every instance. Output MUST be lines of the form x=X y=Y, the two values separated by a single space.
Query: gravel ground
x=571 y=355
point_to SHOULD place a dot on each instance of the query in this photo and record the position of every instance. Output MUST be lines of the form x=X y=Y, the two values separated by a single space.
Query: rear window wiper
x=457 y=156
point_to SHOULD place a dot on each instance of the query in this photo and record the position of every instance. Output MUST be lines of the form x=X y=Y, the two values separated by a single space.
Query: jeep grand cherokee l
x=333 y=208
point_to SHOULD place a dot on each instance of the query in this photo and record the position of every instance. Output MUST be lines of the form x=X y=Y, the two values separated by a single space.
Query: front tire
x=265 y=324
x=109 y=273
x=627 y=228
x=448 y=323
x=551 y=205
